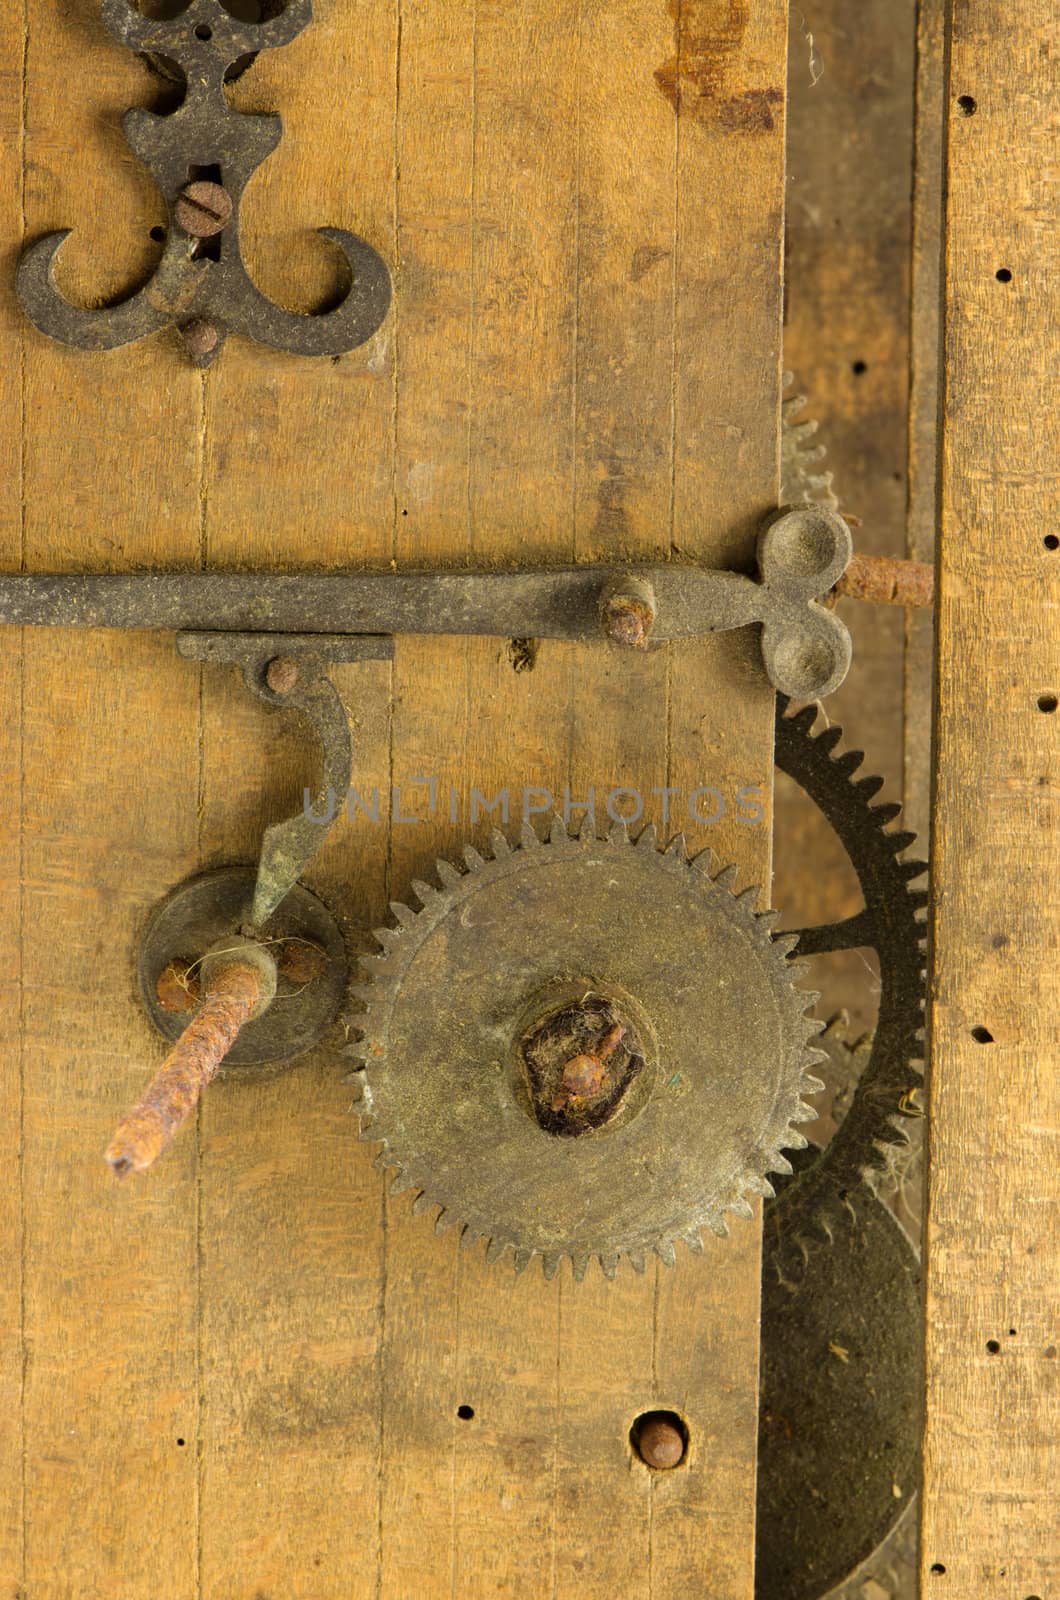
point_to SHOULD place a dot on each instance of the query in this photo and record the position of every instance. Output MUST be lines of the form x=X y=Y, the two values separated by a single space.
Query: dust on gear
x=597 y=947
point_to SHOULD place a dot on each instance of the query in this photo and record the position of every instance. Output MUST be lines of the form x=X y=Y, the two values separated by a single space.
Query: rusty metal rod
x=888 y=581
x=234 y=993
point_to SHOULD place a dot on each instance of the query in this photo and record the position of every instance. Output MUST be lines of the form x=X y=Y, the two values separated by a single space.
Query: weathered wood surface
x=846 y=340
x=991 y=1506
x=239 y=1379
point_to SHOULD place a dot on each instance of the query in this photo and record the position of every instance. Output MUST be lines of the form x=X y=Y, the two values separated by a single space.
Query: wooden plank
x=111 y=1392
x=299 y=472
x=846 y=340
x=924 y=351
x=991 y=1503
x=11 y=1231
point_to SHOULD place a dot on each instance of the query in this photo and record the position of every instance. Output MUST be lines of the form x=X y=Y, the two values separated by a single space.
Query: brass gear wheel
x=586 y=1047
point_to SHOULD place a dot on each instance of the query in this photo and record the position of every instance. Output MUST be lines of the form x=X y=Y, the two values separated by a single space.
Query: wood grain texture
x=570 y=193
x=11 y=1218
x=991 y=1505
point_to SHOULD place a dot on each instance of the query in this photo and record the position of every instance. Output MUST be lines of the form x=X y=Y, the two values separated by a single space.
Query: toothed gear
x=803 y=483
x=885 y=1102
x=718 y=1028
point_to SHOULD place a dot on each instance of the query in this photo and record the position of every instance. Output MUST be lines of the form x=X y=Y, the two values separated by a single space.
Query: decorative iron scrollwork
x=202 y=155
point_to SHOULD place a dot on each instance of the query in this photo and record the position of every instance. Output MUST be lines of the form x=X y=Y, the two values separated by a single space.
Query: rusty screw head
x=629 y=613
x=281 y=674
x=660 y=1441
x=201 y=336
x=203 y=208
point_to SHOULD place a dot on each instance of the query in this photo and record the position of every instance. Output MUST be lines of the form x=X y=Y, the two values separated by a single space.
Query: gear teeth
x=763 y=1187
x=780 y=1164
x=402 y=1183
x=785 y=943
x=919 y=898
x=726 y=878
x=718 y=1225
x=829 y=738
x=352 y=1078
x=609 y=1267
x=901 y=841
x=557 y=831
x=869 y=787
x=748 y=897
x=521 y=1261
x=618 y=833
x=469 y=1236
x=494 y=1250
x=912 y=869
x=811 y=1085
x=364 y=992
x=676 y=852
x=402 y=913
x=849 y=762
x=705 y=861
x=579 y=1264
x=388 y=939
x=443 y=1222
x=383 y=1162
x=666 y=1252
x=742 y=1207
x=475 y=862
x=638 y=1262
x=449 y=877
x=648 y=837
x=550 y=1265
x=587 y=831
x=528 y=837
x=425 y=893
x=694 y=1242
x=886 y=813
x=499 y=845
x=804 y=719
x=767 y=920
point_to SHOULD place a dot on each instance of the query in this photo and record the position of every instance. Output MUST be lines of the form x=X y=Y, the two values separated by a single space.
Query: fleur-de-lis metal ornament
x=202 y=155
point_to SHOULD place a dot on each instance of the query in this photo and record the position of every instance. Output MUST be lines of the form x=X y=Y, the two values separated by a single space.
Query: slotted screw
x=203 y=208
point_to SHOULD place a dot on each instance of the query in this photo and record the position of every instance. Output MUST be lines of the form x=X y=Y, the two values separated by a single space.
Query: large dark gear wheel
x=493 y=1012
x=890 y=923
x=841 y=1326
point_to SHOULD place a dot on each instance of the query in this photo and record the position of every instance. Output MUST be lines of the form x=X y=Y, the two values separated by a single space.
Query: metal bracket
x=801 y=554
x=291 y=672
x=202 y=156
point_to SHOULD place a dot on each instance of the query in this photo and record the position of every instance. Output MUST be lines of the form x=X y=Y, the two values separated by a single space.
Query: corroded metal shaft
x=888 y=581
x=234 y=994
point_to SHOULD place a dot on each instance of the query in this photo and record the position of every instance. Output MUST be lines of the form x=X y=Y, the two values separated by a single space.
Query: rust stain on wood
x=702 y=79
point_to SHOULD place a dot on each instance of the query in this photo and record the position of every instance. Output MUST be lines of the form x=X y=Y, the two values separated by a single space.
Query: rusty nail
x=660 y=1443
x=629 y=613
x=203 y=208
x=178 y=987
x=281 y=674
x=200 y=336
x=235 y=992
x=889 y=581
x=585 y=1075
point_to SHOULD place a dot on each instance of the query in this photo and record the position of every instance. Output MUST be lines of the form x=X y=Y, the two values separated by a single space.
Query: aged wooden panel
x=992 y=1451
x=846 y=340
x=11 y=1232
x=261 y=1352
x=109 y=1288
